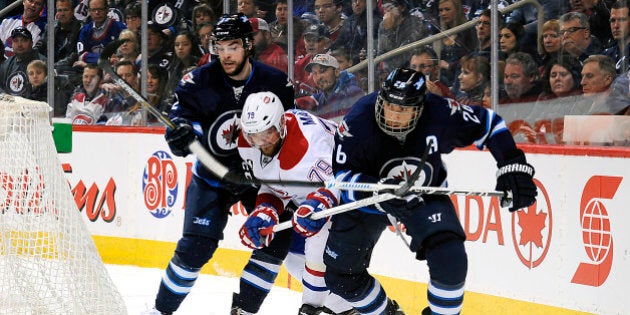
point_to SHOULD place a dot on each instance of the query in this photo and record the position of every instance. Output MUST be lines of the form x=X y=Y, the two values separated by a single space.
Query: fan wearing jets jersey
x=207 y=108
x=384 y=137
x=295 y=146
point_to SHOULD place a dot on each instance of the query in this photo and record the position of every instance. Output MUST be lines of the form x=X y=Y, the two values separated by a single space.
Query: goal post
x=48 y=261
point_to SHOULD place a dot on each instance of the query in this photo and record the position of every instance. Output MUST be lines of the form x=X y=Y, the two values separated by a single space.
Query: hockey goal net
x=48 y=261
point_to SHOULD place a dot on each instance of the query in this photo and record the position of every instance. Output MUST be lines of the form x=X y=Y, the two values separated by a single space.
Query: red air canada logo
x=596 y=231
x=531 y=230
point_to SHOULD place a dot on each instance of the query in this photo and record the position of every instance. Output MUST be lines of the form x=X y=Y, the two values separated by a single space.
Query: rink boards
x=567 y=254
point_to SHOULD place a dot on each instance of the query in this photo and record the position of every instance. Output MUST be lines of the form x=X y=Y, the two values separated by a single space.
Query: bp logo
x=223 y=133
x=16 y=82
x=531 y=230
x=159 y=184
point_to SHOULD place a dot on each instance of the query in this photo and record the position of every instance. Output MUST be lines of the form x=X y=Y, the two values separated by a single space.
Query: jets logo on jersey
x=16 y=83
x=223 y=133
x=343 y=130
x=396 y=168
x=187 y=78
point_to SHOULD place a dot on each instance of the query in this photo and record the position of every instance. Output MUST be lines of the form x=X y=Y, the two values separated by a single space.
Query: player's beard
x=238 y=69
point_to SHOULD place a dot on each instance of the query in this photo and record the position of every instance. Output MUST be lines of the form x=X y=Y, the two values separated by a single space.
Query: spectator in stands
x=520 y=79
x=453 y=47
x=398 y=28
x=316 y=41
x=95 y=35
x=184 y=60
x=473 y=79
x=425 y=60
x=202 y=13
x=598 y=74
x=29 y=19
x=278 y=27
x=267 y=51
x=329 y=13
x=618 y=101
x=13 y=79
x=353 y=35
x=37 y=86
x=597 y=17
x=562 y=78
x=157 y=78
x=343 y=58
x=247 y=7
x=338 y=89
x=302 y=6
x=551 y=41
x=482 y=30
x=204 y=33
x=619 y=52
x=133 y=18
x=124 y=109
x=510 y=36
x=89 y=101
x=130 y=49
x=576 y=36
x=160 y=52
x=527 y=16
x=66 y=30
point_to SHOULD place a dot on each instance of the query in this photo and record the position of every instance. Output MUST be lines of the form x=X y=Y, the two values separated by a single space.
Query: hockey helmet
x=232 y=26
x=406 y=88
x=261 y=112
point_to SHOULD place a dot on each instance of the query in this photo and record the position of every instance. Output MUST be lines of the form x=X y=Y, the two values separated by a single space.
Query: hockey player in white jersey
x=295 y=146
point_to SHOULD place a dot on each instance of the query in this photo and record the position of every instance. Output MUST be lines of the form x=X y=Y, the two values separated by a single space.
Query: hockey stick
x=332 y=211
x=195 y=147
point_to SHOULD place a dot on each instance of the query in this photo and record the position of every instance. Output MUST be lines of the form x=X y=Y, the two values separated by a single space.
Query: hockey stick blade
x=195 y=147
x=332 y=211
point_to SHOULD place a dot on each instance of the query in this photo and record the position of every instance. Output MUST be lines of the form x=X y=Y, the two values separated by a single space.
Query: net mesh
x=48 y=261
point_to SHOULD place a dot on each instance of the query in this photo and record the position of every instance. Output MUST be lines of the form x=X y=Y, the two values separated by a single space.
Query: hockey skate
x=426 y=311
x=238 y=311
x=306 y=309
x=393 y=308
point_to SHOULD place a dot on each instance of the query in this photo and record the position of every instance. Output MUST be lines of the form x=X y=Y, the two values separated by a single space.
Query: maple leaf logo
x=231 y=133
x=531 y=224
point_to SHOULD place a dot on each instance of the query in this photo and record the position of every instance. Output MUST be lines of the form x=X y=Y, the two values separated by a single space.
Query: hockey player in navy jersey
x=297 y=146
x=384 y=136
x=207 y=107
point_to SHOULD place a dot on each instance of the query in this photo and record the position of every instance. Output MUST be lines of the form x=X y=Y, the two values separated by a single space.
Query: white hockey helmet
x=262 y=110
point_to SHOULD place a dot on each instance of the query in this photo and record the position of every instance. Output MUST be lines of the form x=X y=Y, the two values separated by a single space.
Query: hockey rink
x=211 y=295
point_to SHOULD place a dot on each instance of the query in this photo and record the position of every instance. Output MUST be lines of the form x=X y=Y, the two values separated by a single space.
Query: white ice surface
x=211 y=295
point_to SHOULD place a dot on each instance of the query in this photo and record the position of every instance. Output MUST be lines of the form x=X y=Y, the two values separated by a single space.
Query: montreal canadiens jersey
x=443 y=126
x=305 y=155
x=206 y=99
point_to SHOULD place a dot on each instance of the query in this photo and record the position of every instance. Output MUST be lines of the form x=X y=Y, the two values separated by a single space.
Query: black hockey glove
x=401 y=206
x=179 y=139
x=517 y=176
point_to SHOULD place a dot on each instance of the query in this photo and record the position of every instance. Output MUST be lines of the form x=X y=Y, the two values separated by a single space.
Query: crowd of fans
x=584 y=51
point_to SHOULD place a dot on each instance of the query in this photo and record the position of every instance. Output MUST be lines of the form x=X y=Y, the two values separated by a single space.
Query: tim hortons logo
x=96 y=203
x=159 y=184
x=597 y=236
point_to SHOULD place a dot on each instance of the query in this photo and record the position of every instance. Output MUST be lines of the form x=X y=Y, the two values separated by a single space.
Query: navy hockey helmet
x=405 y=88
x=234 y=26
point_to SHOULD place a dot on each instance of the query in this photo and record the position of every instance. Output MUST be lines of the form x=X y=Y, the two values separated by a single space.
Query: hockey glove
x=315 y=202
x=179 y=139
x=401 y=206
x=517 y=176
x=263 y=216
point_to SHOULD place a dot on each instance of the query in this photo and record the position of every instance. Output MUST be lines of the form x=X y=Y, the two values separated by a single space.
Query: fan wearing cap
x=95 y=35
x=30 y=19
x=338 y=89
x=208 y=103
x=158 y=46
x=13 y=74
x=267 y=51
x=316 y=41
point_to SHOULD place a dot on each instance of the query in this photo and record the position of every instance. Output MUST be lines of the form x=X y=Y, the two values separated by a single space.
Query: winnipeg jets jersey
x=206 y=98
x=305 y=155
x=363 y=148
